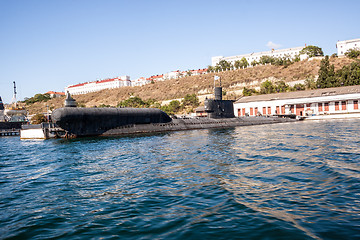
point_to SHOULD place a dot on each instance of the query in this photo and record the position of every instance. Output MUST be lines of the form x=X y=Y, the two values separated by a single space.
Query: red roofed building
x=95 y=86
x=157 y=78
x=198 y=72
x=55 y=94
x=140 y=81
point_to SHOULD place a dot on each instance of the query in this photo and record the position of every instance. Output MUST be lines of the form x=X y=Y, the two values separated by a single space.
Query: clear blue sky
x=49 y=44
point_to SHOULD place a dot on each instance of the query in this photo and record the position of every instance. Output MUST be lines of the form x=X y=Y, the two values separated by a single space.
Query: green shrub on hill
x=190 y=100
x=38 y=98
x=136 y=102
x=352 y=53
x=312 y=51
x=348 y=75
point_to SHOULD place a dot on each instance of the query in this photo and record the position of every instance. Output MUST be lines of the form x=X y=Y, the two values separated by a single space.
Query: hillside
x=232 y=81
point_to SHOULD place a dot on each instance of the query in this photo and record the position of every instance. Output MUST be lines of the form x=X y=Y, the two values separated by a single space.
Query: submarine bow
x=95 y=121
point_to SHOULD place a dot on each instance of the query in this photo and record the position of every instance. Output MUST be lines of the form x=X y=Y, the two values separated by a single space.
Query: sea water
x=281 y=181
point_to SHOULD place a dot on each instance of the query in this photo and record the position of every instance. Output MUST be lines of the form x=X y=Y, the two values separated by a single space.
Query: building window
x=356 y=104
x=337 y=106
x=251 y=111
x=269 y=110
x=343 y=105
x=326 y=106
x=264 y=110
x=299 y=109
x=320 y=107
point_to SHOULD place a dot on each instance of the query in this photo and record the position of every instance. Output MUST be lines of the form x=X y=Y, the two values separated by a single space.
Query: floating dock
x=41 y=131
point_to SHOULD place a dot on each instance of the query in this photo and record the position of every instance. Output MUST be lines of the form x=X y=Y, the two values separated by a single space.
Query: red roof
x=97 y=82
x=58 y=93
x=157 y=76
x=77 y=85
x=105 y=80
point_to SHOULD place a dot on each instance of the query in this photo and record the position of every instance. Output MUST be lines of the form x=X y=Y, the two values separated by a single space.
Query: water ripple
x=282 y=181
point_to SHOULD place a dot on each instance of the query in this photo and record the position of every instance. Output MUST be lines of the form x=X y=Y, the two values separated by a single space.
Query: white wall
x=344 y=46
x=290 y=52
x=122 y=81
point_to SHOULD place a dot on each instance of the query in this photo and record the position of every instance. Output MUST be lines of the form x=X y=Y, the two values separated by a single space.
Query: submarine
x=84 y=122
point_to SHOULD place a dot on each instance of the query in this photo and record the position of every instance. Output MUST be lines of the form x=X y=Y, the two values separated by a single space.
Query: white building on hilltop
x=344 y=46
x=141 y=81
x=280 y=53
x=95 y=86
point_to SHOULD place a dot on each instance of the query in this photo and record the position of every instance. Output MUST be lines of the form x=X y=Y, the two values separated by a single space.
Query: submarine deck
x=192 y=124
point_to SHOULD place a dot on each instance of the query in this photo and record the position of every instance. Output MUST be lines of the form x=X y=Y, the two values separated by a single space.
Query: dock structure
x=41 y=131
x=9 y=132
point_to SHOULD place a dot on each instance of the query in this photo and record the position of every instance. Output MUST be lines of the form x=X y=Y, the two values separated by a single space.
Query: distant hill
x=233 y=82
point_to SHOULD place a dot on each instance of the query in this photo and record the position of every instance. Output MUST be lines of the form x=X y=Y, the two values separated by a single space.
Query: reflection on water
x=281 y=181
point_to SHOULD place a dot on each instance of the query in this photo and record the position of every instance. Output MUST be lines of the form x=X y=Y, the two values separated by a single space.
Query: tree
x=38 y=98
x=310 y=83
x=298 y=87
x=237 y=64
x=135 y=102
x=281 y=86
x=267 y=87
x=327 y=76
x=210 y=69
x=244 y=63
x=224 y=65
x=266 y=59
x=190 y=100
x=352 y=53
x=173 y=107
x=297 y=58
x=104 y=106
x=254 y=63
x=38 y=118
x=283 y=61
x=248 y=91
x=312 y=51
x=349 y=75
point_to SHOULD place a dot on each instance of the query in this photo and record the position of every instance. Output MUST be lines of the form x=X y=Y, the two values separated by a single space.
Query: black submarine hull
x=82 y=122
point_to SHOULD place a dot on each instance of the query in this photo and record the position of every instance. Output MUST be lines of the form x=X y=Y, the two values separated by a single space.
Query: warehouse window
x=356 y=104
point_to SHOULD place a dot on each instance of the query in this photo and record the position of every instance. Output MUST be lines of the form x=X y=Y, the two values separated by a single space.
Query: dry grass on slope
x=178 y=88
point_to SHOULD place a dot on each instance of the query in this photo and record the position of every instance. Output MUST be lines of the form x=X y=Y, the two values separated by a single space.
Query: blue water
x=281 y=181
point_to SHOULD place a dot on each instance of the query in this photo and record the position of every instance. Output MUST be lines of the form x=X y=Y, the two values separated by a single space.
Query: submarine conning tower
x=69 y=101
x=218 y=108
